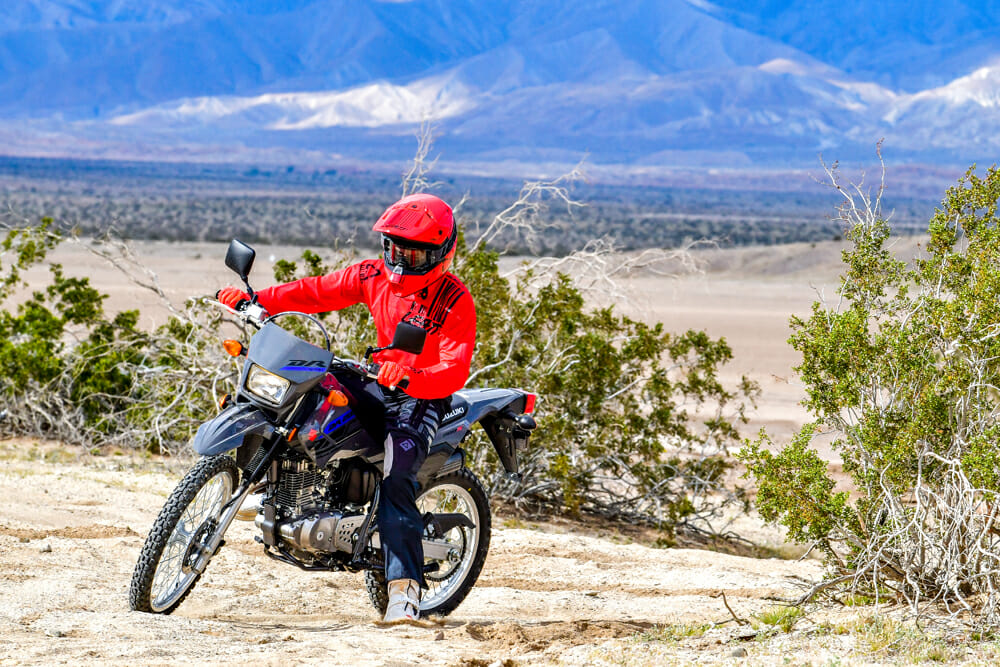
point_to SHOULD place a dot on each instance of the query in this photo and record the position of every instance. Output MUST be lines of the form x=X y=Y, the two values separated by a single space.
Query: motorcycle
x=304 y=430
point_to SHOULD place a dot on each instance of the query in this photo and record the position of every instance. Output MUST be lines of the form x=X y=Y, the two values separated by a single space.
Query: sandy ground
x=71 y=528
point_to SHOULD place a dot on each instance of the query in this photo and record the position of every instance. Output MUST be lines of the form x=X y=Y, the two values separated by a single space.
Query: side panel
x=227 y=430
x=472 y=405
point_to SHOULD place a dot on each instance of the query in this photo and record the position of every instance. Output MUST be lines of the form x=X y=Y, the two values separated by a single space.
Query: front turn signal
x=233 y=347
x=337 y=399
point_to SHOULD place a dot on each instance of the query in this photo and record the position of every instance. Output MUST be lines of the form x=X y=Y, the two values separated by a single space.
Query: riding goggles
x=412 y=256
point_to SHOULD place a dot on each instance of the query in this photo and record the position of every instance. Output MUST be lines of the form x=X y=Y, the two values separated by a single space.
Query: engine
x=301 y=488
x=318 y=510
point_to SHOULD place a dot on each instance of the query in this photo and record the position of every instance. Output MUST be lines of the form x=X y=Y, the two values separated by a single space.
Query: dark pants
x=410 y=426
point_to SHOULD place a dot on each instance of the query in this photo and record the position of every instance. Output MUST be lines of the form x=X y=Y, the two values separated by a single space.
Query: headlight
x=266 y=384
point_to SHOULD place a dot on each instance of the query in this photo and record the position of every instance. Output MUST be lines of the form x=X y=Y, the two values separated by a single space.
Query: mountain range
x=646 y=84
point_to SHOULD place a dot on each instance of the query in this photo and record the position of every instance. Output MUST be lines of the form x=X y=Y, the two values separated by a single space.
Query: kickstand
x=365 y=532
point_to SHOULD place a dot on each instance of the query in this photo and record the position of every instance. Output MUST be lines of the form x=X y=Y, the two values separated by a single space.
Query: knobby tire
x=140 y=591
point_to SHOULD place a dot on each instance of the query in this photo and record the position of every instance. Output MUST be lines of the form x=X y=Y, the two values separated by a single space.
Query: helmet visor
x=409 y=257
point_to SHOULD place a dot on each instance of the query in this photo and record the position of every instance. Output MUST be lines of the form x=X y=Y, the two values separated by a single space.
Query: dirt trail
x=71 y=528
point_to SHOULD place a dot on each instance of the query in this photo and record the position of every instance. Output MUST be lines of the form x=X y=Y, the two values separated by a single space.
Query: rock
x=45 y=548
x=55 y=632
x=739 y=652
x=439 y=636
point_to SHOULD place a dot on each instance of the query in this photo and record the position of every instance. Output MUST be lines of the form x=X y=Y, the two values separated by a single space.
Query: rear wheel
x=164 y=574
x=458 y=492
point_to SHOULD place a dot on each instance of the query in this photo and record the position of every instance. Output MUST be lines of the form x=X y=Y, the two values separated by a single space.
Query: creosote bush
x=70 y=372
x=617 y=434
x=904 y=371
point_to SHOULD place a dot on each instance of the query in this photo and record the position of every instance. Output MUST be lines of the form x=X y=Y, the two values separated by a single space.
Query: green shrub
x=618 y=433
x=904 y=371
x=69 y=372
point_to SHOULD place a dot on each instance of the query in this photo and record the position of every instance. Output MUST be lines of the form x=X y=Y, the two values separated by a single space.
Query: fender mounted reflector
x=529 y=403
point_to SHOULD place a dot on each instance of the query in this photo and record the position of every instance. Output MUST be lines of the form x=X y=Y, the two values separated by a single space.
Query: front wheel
x=458 y=492
x=164 y=574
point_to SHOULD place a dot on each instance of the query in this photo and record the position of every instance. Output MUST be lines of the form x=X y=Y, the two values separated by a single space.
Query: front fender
x=227 y=431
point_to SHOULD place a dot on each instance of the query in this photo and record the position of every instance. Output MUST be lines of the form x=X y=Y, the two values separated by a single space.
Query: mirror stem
x=372 y=350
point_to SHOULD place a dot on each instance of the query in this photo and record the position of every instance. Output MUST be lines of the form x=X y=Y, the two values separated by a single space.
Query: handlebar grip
x=373 y=375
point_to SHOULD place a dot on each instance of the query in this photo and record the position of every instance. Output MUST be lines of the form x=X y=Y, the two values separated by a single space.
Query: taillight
x=529 y=403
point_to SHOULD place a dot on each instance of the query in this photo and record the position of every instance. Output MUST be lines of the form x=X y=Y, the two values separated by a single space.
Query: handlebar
x=354 y=367
x=254 y=314
x=251 y=313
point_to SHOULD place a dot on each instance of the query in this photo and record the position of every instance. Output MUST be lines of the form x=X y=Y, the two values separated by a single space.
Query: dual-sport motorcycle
x=305 y=430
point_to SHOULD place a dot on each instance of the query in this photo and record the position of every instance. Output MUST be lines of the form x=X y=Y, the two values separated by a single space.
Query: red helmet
x=418 y=242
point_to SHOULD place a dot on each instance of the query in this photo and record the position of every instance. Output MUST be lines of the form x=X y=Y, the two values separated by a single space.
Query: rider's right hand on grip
x=233 y=297
x=391 y=374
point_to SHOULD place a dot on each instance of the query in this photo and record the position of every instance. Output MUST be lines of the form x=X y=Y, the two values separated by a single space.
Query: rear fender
x=229 y=428
x=499 y=411
x=509 y=433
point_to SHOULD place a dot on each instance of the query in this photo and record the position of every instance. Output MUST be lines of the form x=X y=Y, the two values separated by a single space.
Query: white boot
x=404 y=601
x=250 y=507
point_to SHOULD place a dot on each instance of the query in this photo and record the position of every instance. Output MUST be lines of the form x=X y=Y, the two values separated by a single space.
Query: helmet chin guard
x=418 y=242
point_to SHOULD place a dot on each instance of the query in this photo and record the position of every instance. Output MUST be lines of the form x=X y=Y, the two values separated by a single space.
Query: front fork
x=230 y=509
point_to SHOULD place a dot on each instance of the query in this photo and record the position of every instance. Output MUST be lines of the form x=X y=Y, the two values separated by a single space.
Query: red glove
x=390 y=374
x=231 y=296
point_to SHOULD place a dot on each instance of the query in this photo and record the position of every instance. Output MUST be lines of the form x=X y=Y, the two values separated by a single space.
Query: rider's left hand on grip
x=390 y=374
x=232 y=296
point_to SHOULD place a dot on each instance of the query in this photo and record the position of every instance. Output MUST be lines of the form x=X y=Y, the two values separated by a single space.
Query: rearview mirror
x=409 y=338
x=240 y=258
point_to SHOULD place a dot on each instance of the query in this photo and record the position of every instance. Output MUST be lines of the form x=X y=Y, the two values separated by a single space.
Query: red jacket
x=444 y=309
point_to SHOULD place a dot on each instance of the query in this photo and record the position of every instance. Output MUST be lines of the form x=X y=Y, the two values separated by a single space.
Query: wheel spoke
x=450 y=499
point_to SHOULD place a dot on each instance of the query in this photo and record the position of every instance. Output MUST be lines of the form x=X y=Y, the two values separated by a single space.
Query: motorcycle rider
x=409 y=283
